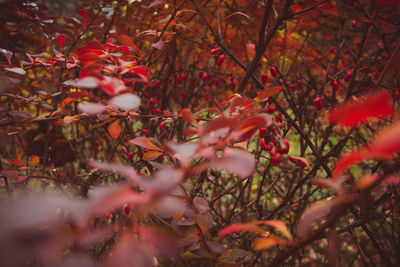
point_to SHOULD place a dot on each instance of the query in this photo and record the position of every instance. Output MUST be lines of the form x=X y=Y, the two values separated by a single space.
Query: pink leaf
x=16 y=70
x=126 y=101
x=91 y=108
x=200 y=203
x=236 y=161
x=159 y=45
x=87 y=82
x=8 y=54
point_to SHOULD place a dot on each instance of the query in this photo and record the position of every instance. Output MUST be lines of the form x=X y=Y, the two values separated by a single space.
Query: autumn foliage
x=199 y=133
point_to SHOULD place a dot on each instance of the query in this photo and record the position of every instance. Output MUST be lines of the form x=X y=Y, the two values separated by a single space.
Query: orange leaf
x=351 y=113
x=278 y=225
x=267 y=242
x=114 y=129
x=67 y=101
x=151 y=155
x=234 y=228
x=237 y=13
x=35 y=160
x=145 y=143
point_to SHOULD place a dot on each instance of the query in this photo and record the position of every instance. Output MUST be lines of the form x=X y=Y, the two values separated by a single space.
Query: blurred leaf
x=92 y=108
x=352 y=113
x=200 y=204
x=126 y=101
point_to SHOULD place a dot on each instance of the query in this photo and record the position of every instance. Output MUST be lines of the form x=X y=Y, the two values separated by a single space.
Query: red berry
x=354 y=23
x=273 y=71
x=264 y=78
x=158 y=83
x=183 y=77
x=397 y=95
x=278 y=118
x=153 y=100
x=271 y=109
x=165 y=134
x=368 y=22
x=130 y=156
x=214 y=51
x=263 y=131
x=335 y=84
x=220 y=60
x=201 y=73
x=215 y=81
x=364 y=69
x=145 y=132
x=162 y=125
x=233 y=84
x=285 y=150
x=170 y=80
x=272 y=152
x=276 y=159
x=318 y=102
x=263 y=145
x=348 y=76
x=127 y=209
x=107 y=215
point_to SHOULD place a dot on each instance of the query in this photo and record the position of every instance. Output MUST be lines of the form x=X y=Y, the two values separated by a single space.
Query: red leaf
x=312 y=214
x=114 y=130
x=187 y=115
x=264 y=94
x=351 y=113
x=386 y=143
x=348 y=160
x=267 y=242
x=60 y=40
x=248 y=127
x=204 y=221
